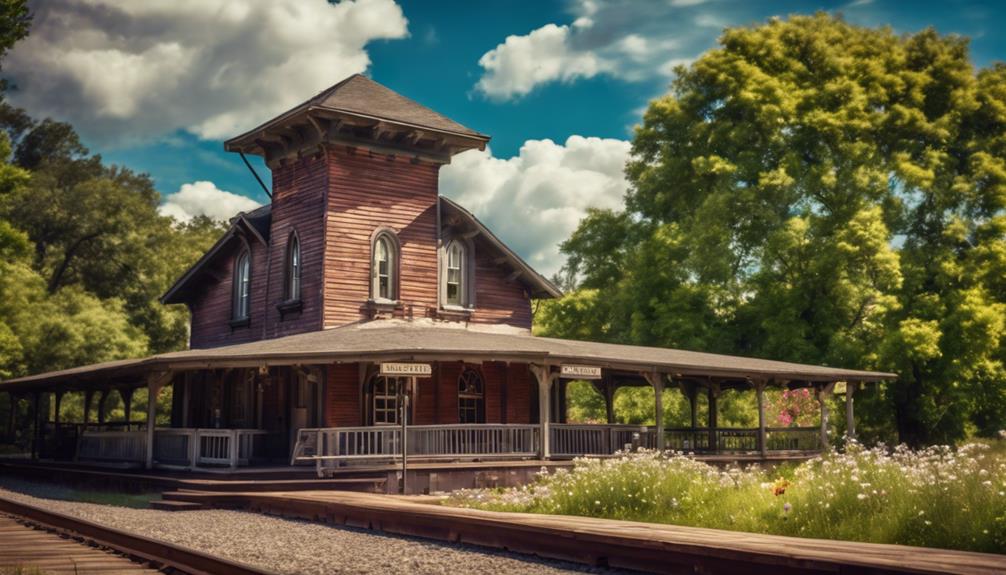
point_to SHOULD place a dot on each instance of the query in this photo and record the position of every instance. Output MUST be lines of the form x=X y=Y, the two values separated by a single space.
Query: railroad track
x=161 y=555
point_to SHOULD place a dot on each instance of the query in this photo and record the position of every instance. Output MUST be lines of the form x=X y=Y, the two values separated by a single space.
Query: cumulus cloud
x=121 y=69
x=535 y=200
x=203 y=198
x=626 y=39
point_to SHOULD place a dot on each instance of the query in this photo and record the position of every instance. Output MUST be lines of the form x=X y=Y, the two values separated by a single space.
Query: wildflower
x=786 y=507
x=861 y=496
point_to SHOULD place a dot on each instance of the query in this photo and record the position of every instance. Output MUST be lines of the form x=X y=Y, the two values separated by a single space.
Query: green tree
x=819 y=192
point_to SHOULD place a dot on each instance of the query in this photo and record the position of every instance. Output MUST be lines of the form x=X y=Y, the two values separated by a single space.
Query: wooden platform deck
x=625 y=544
x=25 y=546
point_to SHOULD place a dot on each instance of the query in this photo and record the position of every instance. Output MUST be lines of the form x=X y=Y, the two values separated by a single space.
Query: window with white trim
x=471 y=397
x=384 y=268
x=291 y=288
x=242 y=285
x=454 y=279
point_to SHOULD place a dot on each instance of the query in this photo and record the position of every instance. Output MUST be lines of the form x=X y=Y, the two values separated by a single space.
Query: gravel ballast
x=291 y=546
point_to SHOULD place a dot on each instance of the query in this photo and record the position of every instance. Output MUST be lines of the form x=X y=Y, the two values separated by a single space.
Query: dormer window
x=242 y=284
x=384 y=267
x=291 y=290
x=457 y=275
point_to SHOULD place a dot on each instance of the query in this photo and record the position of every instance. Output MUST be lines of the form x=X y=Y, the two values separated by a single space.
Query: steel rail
x=161 y=554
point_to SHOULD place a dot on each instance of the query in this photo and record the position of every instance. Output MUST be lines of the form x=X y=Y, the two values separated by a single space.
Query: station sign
x=580 y=371
x=410 y=369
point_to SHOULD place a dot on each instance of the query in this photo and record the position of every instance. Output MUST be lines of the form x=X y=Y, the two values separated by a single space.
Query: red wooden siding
x=211 y=310
x=521 y=390
x=342 y=396
x=368 y=191
x=496 y=299
x=298 y=205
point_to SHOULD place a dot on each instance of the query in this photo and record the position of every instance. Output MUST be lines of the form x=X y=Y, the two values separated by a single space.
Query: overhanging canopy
x=396 y=340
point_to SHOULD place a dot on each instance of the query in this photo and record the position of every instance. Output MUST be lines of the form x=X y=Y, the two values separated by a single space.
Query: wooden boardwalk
x=626 y=544
x=25 y=546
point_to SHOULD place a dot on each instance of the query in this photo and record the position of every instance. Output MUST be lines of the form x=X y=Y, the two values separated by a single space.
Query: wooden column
x=850 y=420
x=823 y=394
x=545 y=377
x=88 y=396
x=102 y=396
x=657 y=381
x=155 y=382
x=712 y=394
x=693 y=404
x=13 y=399
x=126 y=393
x=36 y=411
x=187 y=391
x=58 y=400
x=760 y=389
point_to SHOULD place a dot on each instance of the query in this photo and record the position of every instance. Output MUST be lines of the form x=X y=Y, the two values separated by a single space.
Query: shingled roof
x=360 y=97
x=419 y=340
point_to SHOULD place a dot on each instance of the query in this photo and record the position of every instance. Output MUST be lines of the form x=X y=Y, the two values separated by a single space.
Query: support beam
x=762 y=446
x=609 y=401
x=712 y=395
x=102 y=396
x=545 y=377
x=823 y=394
x=657 y=381
x=13 y=399
x=850 y=420
x=58 y=400
x=36 y=432
x=126 y=393
x=155 y=382
x=88 y=397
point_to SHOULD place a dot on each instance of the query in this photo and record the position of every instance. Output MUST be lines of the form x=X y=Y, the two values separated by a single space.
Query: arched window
x=384 y=267
x=454 y=280
x=383 y=394
x=242 y=281
x=291 y=288
x=471 y=397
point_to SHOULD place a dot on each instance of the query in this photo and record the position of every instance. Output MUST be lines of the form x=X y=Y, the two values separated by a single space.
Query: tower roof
x=361 y=111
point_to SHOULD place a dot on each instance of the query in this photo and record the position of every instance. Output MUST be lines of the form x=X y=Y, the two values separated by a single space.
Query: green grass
x=938 y=497
x=139 y=500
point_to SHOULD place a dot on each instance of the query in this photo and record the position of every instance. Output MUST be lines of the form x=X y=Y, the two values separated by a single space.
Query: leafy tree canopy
x=818 y=192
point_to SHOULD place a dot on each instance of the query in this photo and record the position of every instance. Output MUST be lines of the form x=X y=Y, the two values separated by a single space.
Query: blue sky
x=158 y=85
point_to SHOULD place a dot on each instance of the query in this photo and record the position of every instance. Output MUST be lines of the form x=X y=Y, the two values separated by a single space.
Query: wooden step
x=175 y=505
x=364 y=484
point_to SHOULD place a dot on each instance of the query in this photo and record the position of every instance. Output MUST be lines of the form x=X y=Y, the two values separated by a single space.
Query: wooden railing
x=342 y=444
x=424 y=441
x=117 y=446
x=179 y=447
x=589 y=439
x=194 y=447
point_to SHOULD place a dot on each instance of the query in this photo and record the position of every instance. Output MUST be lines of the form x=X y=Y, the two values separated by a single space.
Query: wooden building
x=360 y=298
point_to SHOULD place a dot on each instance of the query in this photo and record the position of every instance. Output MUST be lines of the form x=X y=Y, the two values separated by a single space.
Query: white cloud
x=520 y=63
x=535 y=200
x=121 y=69
x=626 y=39
x=203 y=198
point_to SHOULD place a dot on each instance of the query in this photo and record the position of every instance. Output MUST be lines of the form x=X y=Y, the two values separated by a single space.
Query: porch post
x=850 y=421
x=693 y=404
x=545 y=377
x=13 y=399
x=154 y=383
x=760 y=389
x=127 y=403
x=57 y=399
x=657 y=381
x=36 y=402
x=88 y=396
x=186 y=389
x=102 y=396
x=712 y=394
x=823 y=394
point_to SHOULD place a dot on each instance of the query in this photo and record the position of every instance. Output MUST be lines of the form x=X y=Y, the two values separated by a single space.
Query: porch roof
x=397 y=340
